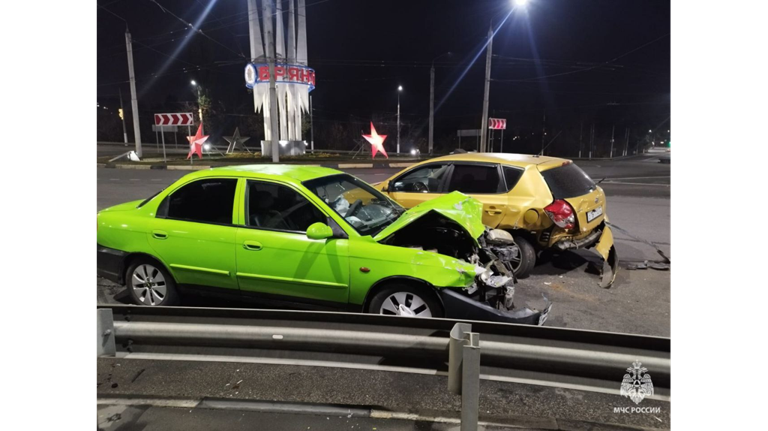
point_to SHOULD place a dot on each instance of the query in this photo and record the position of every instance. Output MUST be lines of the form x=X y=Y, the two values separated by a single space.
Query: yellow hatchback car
x=544 y=202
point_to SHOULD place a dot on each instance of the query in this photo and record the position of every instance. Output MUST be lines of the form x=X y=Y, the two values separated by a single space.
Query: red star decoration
x=196 y=143
x=376 y=141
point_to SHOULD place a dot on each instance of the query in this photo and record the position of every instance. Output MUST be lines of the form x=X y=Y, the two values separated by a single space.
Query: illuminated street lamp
x=399 y=90
x=486 y=94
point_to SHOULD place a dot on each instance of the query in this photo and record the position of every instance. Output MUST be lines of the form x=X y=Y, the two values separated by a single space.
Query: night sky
x=604 y=61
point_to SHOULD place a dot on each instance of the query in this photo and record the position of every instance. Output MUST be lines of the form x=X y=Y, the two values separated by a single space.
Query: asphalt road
x=638 y=191
x=526 y=406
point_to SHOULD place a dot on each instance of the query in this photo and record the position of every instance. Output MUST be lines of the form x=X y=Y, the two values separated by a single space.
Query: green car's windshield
x=366 y=209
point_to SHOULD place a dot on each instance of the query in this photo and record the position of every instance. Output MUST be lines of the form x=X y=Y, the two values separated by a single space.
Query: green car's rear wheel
x=404 y=300
x=150 y=284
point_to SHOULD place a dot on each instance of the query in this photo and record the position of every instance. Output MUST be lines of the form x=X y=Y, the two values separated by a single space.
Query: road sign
x=497 y=123
x=177 y=119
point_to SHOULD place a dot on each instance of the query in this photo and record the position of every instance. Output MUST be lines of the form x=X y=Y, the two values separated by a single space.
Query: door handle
x=252 y=245
x=493 y=211
x=159 y=234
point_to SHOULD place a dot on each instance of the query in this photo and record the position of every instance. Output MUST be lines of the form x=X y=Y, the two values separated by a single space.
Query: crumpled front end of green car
x=471 y=265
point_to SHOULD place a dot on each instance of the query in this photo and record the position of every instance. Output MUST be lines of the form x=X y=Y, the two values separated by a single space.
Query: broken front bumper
x=458 y=306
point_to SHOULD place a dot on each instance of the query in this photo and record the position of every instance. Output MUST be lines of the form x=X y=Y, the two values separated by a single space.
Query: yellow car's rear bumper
x=602 y=240
x=610 y=260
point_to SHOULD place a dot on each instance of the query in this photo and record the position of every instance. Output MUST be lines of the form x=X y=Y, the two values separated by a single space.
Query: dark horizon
x=606 y=62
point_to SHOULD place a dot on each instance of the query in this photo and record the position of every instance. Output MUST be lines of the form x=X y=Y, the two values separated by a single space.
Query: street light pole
x=484 y=123
x=488 y=56
x=432 y=102
x=399 y=89
x=199 y=105
x=431 y=107
x=134 y=100
x=311 y=126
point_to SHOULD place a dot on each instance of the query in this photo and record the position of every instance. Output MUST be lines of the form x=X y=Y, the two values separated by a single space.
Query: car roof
x=520 y=160
x=298 y=173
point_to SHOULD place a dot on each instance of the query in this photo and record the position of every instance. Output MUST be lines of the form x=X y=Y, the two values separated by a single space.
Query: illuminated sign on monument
x=293 y=78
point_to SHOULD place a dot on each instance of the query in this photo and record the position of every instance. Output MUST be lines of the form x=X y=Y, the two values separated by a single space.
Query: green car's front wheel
x=150 y=284
x=404 y=300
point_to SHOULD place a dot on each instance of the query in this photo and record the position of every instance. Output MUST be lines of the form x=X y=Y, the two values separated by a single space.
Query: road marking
x=114 y=179
x=640 y=178
x=156 y=179
x=636 y=184
x=134 y=179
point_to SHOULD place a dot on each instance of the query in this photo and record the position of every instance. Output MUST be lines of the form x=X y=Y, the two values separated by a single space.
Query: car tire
x=528 y=256
x=150 y=284
x=419 y=302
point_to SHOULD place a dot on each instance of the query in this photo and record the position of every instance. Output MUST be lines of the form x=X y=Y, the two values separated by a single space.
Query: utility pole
x=484 y=123
x=581 y=136
x=610 y=156
x=399 y=89
x=432 y=103
x=122 y=116
x=431 y=107
x=134 y=100
x=543 y=132
x=272 y=90
x=591 y=140
x=626 y=143
x=311 y=126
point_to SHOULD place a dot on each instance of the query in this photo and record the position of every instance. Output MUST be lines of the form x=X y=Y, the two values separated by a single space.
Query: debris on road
x=658 y=250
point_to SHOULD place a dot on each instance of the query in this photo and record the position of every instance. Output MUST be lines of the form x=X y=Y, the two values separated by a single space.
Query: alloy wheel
x=149 y=284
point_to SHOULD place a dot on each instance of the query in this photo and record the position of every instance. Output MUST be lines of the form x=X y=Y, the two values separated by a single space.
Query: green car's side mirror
x=319 y=231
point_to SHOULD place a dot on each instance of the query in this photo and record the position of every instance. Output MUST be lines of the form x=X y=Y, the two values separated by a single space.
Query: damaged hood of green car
x=462 y=209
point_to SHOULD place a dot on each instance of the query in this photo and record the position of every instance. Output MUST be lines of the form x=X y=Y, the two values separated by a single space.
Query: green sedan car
x=310 y=237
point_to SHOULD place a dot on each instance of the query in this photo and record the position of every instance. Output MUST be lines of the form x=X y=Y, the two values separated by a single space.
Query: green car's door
x=194 y=233
x=274 y=256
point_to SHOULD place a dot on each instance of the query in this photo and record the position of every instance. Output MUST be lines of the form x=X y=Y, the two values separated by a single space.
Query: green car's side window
x=204 y=201
x=277 y=207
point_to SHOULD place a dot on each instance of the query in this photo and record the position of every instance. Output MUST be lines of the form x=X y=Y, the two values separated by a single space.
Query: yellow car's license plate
x=595 y=213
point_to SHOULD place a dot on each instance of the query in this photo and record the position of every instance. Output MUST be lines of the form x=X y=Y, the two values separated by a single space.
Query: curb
x=184 y=167
x=297 y=408
x=200 y=167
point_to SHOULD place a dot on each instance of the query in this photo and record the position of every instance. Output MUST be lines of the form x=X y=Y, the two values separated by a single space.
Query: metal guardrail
x=576 y=359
